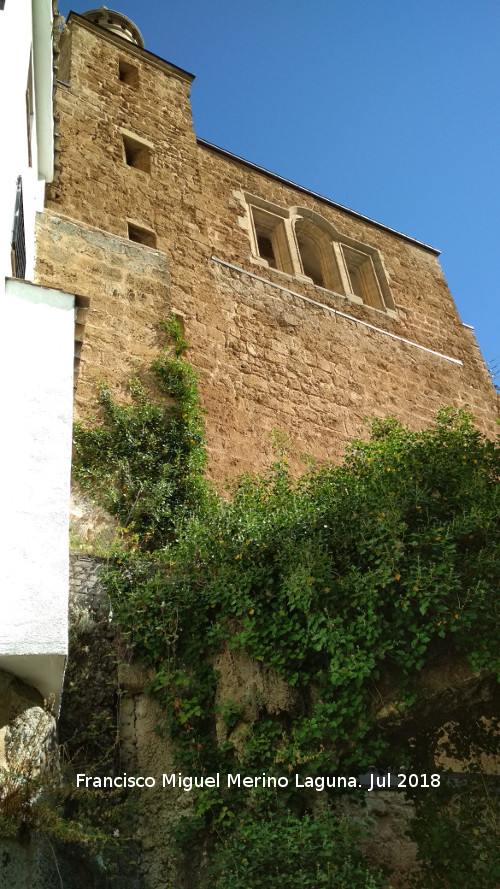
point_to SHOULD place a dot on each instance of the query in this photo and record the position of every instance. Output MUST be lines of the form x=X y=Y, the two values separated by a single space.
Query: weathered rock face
x=89 y=724
x=103 y=688
x=28 y=866
x=90 y=688
x=28 y=746
x=269 y=359
x=146 y=751
x=31 y=739
x=389 y=846
x=16 y=700
x=89 y=524
x=250 y=690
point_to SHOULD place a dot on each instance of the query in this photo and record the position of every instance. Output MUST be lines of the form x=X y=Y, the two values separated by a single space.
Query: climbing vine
x=145 y=461
x=345 y=585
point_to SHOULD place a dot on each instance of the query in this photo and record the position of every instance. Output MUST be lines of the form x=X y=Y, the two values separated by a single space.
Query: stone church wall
x=275 y=351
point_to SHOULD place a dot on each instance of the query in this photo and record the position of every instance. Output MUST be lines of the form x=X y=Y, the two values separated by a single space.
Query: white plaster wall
x=16 y=44
x=36 y=385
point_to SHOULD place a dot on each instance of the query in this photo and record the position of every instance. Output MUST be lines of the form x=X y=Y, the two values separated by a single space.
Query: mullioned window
x=301 y=243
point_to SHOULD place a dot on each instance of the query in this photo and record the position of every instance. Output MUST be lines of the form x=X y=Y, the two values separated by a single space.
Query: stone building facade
x=301 y=315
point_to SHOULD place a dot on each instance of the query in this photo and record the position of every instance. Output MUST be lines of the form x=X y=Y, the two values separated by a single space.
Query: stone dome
x=116 y=23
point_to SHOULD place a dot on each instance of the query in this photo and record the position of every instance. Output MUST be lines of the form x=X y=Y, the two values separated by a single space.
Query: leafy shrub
x=285 y=850
x=340 y=581
x=145 y=462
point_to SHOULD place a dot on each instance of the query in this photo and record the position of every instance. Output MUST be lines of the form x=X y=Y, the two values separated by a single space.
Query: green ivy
x=340 y=581
x=283 y=849
x=457 y=836
x=145 y=461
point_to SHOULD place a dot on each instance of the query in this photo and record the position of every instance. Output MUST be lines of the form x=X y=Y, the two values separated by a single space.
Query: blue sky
x=390 y=108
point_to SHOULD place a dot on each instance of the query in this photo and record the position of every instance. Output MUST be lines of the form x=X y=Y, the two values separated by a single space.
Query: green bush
x=285 y=850
x=145 y=462
x=345 y=578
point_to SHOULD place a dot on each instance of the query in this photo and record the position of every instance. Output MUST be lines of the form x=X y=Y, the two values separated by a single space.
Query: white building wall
x=17 y=46
x=36 y=378
x=36 y=371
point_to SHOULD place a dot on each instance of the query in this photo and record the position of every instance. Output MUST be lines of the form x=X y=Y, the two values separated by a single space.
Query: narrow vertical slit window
x=18 y=241
x=266 y=249
x=362 y=277
x=271 y=240
x=315 y=251
x=310 y=259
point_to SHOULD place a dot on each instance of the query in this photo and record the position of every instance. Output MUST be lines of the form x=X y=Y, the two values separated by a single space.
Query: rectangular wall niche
x=137 y=154
x=141 y=235
x=128 y=73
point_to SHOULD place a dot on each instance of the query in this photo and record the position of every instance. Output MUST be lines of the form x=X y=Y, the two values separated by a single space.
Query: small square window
x=137 y=154
x=128 y=73
x=141 y=235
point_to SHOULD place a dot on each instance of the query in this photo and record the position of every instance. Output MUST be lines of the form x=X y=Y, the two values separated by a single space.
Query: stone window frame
x=309 y=248
x=270 y=222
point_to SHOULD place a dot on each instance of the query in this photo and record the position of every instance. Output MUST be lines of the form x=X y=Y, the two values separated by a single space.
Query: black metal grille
x=18 y=239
